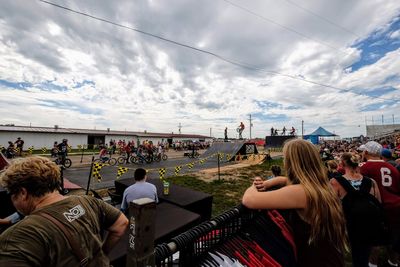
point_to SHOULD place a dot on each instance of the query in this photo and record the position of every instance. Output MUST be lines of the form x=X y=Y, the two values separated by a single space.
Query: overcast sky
x=62 y=68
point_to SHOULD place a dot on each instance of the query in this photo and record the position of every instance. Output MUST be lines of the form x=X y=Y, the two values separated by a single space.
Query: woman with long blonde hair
x=316 y=214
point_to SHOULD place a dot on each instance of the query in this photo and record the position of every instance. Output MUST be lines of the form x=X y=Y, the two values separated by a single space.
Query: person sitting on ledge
x=140 y=189
x=60 y=230
x=313 y=209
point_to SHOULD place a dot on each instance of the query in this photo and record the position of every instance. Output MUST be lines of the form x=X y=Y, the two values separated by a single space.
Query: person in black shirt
x=20 y=145
x=63 y=150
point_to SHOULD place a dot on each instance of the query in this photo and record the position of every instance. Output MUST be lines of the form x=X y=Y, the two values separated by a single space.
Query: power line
x=227 y=60
x=284 y=27
x=323 y=18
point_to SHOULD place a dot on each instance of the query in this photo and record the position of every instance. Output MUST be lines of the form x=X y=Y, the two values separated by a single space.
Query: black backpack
x=365 y=217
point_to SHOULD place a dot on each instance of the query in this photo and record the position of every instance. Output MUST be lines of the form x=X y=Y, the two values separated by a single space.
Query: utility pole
x=179 y=127
x=251 y=125
x=302 y=129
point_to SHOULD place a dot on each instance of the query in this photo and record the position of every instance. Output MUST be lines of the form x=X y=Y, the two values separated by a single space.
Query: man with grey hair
x=388 y=180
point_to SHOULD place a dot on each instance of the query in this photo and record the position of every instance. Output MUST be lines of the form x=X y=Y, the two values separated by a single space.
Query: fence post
x=90 y=177
x=219 y=172
x=142 y=215
x=83 y=150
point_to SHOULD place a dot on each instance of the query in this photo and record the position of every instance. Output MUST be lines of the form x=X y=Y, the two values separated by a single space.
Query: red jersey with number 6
x=388 y=180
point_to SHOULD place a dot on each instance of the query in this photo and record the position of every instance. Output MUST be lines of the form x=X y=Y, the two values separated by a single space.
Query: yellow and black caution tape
x=44 y=150
x=162 y=172
x=17 y=150
x=79 y=146
x=121 y=171
x=177 y=170
x=30 y=149
x=69 y=148
x=96 y=170
x=190 y=165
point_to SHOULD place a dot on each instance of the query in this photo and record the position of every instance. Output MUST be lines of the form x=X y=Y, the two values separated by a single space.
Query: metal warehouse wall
x=39 y=140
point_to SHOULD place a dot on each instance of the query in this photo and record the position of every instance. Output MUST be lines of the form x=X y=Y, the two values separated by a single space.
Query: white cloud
x=121 y=79
x=395 y=34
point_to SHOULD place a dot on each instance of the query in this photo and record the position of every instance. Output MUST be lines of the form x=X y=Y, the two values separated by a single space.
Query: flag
x=177 y=170
x=162 y=172
x=190 y=165
x=96 y=170
x=121 y=171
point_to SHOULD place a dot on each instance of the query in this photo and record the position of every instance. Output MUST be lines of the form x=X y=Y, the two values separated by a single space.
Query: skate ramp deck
x=231 y=148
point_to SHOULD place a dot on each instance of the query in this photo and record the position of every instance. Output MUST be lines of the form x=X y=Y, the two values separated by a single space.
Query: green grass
x=228 y=191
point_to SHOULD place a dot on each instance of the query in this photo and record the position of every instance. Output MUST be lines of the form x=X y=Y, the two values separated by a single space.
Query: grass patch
x=228 y=191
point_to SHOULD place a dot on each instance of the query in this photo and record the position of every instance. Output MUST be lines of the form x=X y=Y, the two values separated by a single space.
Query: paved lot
x=79 y=172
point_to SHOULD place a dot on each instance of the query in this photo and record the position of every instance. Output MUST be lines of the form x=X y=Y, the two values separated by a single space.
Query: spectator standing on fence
x=315 y=214
x=272 y=131
x=284 y=130
x=20 y=145
x=60 y=230
x=140 y=189
x=226 y=133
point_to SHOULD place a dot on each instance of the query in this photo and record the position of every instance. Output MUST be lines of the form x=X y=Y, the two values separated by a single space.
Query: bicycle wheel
x=67 y=163
x=121 y=160
x=149 y=159
x=164 y=157
x=134 y=159
x=157 y=158
x=112 y=161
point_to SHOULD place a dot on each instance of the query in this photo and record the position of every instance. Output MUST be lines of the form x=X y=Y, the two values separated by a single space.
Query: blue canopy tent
x=314 y=136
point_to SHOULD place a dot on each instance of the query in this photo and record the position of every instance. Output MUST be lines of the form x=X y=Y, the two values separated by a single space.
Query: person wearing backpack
x=388 y=180
x=361 y=206
x=314 y=211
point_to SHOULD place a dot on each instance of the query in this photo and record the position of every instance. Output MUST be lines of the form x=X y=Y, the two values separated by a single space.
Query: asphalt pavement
x=79 y=172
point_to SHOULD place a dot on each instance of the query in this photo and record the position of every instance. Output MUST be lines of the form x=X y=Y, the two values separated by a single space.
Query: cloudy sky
x=334 y=64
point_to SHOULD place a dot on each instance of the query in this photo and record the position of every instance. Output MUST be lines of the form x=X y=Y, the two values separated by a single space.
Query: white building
x=40 y=137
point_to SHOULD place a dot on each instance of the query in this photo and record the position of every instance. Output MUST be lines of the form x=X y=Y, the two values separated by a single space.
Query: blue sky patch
x=372 y=107
x=377 y=45
x=15 y=85
x=267 y=104
x=67 y=105
x=85 y=82
x=376 y=92
x=270 y=117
